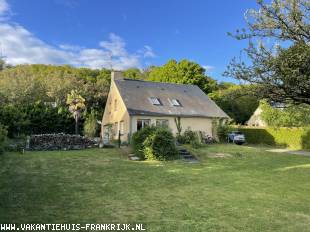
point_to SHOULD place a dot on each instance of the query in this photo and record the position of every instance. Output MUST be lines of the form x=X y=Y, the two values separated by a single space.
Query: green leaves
x=183 y=72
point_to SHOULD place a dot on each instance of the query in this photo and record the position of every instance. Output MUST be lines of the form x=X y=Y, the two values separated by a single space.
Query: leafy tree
x=282 y=75
x=90 y=125
x=27 y=84
x=237 y=101
x=134 y=73
x=183 y=72
x=76 y=106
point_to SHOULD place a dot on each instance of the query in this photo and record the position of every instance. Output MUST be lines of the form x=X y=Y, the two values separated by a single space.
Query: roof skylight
x=155 y=101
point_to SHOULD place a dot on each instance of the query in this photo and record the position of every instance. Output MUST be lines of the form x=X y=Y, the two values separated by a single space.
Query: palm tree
x=76 y=106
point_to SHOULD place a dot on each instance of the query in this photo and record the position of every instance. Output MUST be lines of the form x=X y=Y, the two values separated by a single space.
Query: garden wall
x=59 y=142
x=294 y=138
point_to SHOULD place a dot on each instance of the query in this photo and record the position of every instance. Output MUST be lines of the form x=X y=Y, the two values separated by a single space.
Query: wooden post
x=119 y=139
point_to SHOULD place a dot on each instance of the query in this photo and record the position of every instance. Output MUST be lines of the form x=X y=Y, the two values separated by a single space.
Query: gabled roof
x=195 y=103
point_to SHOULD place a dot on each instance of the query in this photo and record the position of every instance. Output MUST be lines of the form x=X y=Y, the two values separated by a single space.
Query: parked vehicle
x=236 y=137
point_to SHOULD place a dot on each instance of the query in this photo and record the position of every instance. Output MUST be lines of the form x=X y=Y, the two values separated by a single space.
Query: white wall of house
x=192 y=123
x=116 y=113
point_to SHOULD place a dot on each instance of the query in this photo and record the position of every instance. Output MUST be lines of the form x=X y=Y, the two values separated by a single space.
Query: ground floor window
x=141 y=123
x=162 y=122
x=115 y=129
x=121 y=127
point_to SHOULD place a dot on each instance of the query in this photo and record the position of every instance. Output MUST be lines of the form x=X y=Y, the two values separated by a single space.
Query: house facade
x=256 y=119
x=134 y=104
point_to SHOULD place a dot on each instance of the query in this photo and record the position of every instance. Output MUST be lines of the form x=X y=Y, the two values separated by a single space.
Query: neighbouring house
x=256 y=119
x=134 y=104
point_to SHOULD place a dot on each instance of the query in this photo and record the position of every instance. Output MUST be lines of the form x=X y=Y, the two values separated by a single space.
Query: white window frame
x=175 y=102
x=143 y=121
x=162 y=122
x=155 y=101
x=121 y=127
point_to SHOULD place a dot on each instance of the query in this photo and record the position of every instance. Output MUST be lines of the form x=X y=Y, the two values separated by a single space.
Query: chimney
x=116 y=75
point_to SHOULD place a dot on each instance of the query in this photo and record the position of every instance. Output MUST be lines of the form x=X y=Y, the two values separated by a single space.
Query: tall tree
x=237 y=101
x=76 y=106
x=134 y=73
x=183 y=72
x=280 y=75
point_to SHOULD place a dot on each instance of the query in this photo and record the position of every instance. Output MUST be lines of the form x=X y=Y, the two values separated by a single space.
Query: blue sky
x=122 y=33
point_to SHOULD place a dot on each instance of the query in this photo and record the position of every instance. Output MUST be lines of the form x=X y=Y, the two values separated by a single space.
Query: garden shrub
x=196 y=142
x=154 y=143
x=222 y=131
x=187 y=137
x=138 y=139
x=3 y=137
x=180 y=139
x=160 y=145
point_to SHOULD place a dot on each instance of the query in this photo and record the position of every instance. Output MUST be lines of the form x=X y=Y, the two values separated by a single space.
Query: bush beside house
x=154 y=143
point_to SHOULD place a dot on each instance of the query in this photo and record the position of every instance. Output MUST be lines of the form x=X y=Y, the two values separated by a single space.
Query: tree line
x=33 y=98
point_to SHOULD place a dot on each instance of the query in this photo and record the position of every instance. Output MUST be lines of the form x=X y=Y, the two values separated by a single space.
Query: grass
x=252 y=190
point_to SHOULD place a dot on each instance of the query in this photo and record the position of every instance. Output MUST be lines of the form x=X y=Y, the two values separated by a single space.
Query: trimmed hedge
x=294 y=138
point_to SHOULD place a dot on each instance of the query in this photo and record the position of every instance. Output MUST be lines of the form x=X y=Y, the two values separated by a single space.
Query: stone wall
x=60 y=141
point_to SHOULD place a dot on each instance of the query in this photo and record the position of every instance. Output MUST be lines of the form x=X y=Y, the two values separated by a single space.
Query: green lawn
x=251 y=191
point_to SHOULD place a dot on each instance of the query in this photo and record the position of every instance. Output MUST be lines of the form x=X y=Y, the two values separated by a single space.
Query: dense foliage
x=239 y=102
x=283 y=74
x=222 y=131
x=154 y=143
x=138 y=138
x=160 y=145
x=288 y=116
x=91 y=125
x=35 y=118
x=294 y=138
x=183 y=72
x=33 y=97
x=3 y=137
x=190 y=137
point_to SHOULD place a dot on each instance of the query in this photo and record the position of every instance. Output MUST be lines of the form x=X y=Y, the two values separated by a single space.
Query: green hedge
x=295 y=138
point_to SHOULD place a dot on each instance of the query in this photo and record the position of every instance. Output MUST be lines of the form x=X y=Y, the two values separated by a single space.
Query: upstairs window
x=115 y=105
x=155 y=101
x=175 y=102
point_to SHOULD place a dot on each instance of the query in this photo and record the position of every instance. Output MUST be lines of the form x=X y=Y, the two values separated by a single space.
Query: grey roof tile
x=195 y=103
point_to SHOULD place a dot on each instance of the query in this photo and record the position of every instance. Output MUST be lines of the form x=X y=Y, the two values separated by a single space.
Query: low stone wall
x=60 y=141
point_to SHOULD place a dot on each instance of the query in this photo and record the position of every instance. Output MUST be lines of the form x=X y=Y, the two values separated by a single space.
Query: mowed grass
x=252 y=190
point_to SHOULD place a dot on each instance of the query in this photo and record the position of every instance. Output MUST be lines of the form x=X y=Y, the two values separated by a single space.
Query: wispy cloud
x=4 y=7
x=21 y=46
x=208 y=68
x=67 y=3
x=147 y=51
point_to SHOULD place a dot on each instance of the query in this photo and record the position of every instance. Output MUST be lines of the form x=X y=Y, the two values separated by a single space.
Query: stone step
x=184 y=153
x=188 y=157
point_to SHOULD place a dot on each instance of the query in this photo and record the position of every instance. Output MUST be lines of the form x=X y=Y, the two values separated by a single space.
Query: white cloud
x=147 y=51
x=208 y=68
x=70 y=47
x=21 y=46
x=4 y=7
